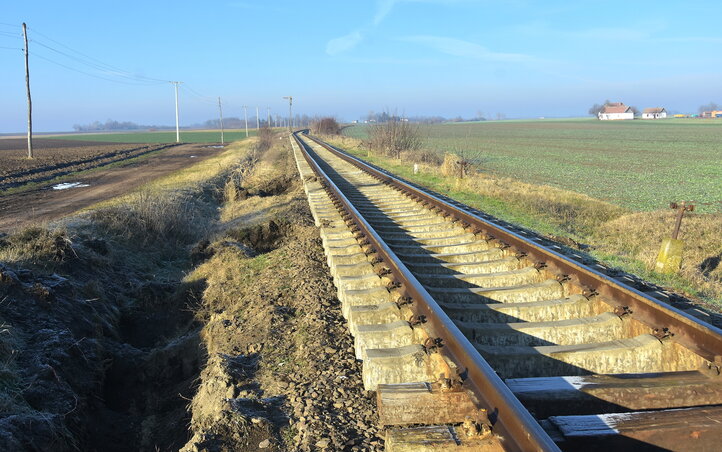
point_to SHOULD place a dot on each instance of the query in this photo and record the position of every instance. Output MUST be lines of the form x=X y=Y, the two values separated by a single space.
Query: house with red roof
x=654 y=113
x=615 y=111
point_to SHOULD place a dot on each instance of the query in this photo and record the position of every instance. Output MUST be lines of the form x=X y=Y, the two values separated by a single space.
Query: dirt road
x=45 y=204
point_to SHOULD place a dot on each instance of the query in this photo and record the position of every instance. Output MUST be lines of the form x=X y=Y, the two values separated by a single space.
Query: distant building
x=654 y=113
x=615 y=111
x=680 y=116
x=712 y=114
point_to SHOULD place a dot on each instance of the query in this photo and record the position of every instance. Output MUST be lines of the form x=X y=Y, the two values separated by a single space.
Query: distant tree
x=709 y=107
x=325 y=126
x=635 y=110
x=596 y=108
x=394 y=136
x=110 y=124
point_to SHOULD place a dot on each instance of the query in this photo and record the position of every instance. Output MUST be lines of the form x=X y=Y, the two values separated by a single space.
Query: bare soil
x=105 y=344
x=43 y=204
x=54 y=158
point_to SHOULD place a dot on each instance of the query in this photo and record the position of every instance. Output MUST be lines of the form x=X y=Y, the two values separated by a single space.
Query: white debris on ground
x=67 y=185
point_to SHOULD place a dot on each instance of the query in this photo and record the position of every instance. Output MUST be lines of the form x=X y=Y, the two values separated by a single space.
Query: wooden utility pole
x=220 y=114
x=30 y=102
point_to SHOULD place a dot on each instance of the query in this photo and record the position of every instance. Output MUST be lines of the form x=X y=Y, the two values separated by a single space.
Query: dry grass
x=173 y=218
x=36 y=245
x=639 y=235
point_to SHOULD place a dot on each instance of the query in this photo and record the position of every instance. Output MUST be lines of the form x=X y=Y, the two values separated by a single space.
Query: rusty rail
x=519 y=430
x=696 y=335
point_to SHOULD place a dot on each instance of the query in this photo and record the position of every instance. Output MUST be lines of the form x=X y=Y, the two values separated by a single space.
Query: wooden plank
x=692 y=429
x=423 y=403
x=437 y=438
x=550 y=396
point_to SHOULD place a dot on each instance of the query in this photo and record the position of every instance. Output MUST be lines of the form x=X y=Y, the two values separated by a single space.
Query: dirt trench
x=234 y=342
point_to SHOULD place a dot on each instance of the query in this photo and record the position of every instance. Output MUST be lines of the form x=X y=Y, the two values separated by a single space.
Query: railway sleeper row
x=573 y=361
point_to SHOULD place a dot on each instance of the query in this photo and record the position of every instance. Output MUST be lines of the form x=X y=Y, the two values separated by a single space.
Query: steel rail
x=665 y=321
x=516 y=427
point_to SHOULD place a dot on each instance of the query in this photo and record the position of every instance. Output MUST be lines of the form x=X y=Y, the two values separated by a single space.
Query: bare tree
x=394 y=136
x=709 y=107
x=596 y=108
x=325 y=126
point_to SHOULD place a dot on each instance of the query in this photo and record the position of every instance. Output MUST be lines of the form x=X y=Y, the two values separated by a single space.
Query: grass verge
x=612 y=234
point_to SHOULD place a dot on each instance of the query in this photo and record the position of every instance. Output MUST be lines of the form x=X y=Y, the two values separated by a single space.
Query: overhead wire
x=191 y=91
x=88 y=73
x=108 y=72
x=98 y=67
x=89 y=60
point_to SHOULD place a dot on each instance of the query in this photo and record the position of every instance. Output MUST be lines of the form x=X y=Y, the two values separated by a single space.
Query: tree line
x=111 y=124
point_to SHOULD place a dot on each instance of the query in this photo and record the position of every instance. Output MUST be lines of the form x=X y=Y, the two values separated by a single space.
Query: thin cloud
x=465 y=49
x=344 y=43
x=347 y=42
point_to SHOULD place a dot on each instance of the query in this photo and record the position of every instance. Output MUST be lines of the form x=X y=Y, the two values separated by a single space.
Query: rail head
x=519 y=430
x=696 y=335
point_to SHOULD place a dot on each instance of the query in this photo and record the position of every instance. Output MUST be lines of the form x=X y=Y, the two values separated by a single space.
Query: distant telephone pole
x=290 y=112
x=177 y=126
x=220 y=114
x=30 y=102
x=245 y=115
x=258 y=120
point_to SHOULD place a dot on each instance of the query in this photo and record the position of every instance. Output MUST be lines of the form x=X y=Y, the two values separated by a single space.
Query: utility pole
x=245 y=115
x=30 y=102
x=177 y=127
x=290 y=112
x=258 y=120
x=220 y=114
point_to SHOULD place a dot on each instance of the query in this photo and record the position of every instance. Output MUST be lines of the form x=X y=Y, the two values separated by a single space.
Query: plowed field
x=54 y=158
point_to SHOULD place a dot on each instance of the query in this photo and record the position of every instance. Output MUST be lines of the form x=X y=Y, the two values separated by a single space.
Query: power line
x=88 y=73
x=204 y=99
x=91 y=61
x=120 y=74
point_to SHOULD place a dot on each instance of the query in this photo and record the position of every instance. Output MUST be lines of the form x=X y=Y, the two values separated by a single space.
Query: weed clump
x=172 y=218
x=37 y=244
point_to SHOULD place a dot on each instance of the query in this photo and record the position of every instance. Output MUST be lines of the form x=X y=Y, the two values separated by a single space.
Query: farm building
x=615 y=111
x=654 y=113
x=712 y=114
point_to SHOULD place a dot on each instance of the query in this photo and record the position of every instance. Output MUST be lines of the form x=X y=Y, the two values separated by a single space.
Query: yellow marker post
x=669 y=259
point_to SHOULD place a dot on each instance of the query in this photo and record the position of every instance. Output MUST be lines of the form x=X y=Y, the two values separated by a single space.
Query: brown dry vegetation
x=196 y=313
x=394 y=137
x=622 y=238
x=325 y=126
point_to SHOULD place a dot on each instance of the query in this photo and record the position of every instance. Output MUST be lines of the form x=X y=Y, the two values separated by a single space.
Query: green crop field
x=193 y=136
x=642 y=165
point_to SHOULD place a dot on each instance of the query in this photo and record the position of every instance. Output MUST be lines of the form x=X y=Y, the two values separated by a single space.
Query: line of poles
x=175 y=84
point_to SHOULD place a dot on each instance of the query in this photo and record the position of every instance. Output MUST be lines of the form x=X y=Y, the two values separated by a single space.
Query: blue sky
x=346 y=58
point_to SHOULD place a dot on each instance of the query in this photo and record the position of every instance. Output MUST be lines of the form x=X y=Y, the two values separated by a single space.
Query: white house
x=615 y=110
x=654 y=113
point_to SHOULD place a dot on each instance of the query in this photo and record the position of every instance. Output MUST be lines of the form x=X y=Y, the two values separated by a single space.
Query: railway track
x=475 y=337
